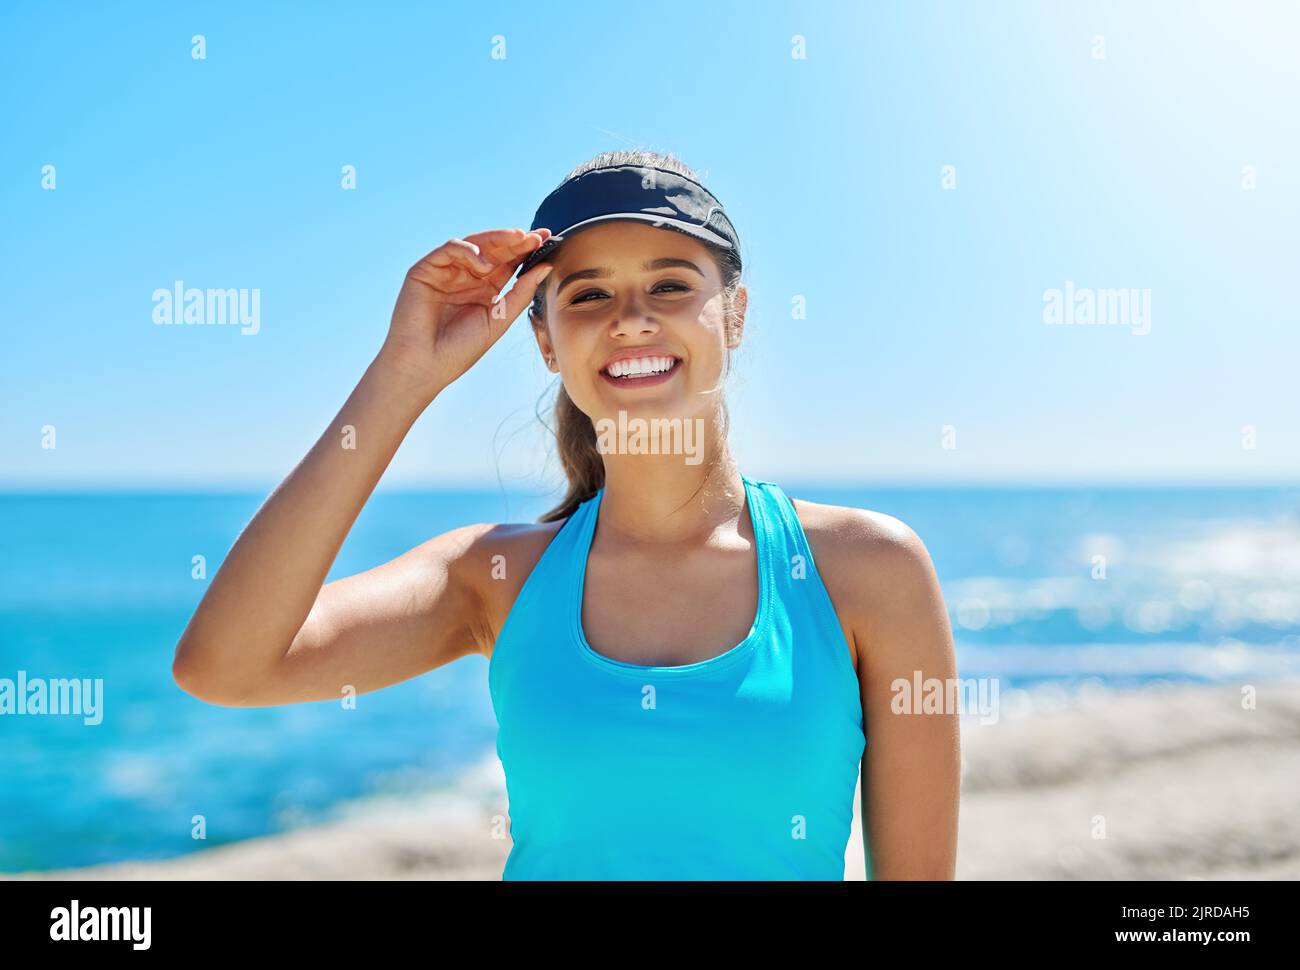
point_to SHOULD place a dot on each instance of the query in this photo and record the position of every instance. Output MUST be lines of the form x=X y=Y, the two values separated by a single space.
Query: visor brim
x=547 y=249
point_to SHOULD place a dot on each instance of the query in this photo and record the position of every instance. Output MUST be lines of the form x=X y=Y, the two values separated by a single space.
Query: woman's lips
x=644 y=380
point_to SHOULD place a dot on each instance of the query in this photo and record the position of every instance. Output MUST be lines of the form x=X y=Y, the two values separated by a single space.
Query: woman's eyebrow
x=668 y=261
x=583 y=274
x=649 y=266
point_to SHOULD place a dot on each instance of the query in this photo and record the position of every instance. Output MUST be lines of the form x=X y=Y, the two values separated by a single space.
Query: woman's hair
x=575 y=435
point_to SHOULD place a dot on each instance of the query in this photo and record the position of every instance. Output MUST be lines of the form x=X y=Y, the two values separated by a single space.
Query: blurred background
x=929 y=196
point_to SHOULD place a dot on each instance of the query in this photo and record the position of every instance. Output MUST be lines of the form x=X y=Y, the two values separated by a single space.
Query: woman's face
x=622 y=292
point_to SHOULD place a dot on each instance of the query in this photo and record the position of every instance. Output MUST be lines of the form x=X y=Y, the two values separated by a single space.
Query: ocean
x=1049 y=589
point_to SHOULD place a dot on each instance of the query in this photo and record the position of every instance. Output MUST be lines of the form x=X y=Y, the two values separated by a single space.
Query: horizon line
x=243 y=487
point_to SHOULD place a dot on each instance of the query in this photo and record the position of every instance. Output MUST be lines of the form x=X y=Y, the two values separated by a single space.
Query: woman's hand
x=447 y=313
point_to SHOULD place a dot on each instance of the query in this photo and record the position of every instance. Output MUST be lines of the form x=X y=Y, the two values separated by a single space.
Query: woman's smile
x=644 y=367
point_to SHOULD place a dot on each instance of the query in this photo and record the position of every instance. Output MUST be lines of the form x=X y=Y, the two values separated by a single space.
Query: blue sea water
x=1064 y=586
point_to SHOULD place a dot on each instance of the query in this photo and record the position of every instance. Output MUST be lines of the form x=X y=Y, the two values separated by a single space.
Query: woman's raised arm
x=268 y=631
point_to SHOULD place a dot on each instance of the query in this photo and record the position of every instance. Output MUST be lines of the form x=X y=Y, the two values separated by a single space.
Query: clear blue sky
x=925 y=305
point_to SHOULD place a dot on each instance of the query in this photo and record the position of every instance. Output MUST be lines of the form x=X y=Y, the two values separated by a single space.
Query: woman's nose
x=633 y=317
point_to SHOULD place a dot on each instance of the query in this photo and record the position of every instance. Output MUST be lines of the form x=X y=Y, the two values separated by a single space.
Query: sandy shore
x=1189 y=785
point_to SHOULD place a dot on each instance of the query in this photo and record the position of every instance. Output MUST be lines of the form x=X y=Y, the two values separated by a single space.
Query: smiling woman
x=689 y=668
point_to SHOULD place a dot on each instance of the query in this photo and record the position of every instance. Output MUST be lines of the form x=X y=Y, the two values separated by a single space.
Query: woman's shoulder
x=489 y=549
x=493 y=559
x=865 y=557
x=883 y=584
x=851 y=531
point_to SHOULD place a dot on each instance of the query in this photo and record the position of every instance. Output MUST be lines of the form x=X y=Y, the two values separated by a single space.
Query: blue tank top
x=742 y=766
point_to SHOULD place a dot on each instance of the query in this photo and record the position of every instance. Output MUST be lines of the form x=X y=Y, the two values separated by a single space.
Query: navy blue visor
x=642 y=193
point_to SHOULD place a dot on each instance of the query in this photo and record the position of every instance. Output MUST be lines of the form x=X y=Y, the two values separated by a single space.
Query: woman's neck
x=662 y=499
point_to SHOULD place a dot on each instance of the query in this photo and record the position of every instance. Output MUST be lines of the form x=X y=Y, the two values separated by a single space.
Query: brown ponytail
x=575 y=440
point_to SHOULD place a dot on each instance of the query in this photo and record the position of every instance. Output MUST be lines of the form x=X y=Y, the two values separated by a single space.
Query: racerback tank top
x=742 y=766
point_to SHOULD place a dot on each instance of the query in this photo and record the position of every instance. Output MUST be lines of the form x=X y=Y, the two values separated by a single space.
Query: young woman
x=685 y=663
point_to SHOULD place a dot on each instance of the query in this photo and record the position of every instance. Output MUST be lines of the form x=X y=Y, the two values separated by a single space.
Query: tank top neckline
x=762 y=614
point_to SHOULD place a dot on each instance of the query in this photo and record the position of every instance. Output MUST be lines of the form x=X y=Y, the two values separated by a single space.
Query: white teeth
x=639 y=366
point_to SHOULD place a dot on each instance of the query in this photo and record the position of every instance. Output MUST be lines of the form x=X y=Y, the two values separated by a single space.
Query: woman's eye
x=667 y=287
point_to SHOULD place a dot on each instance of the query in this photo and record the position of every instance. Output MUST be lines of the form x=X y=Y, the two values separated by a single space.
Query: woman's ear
x=544 y=345
x=736 y=318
